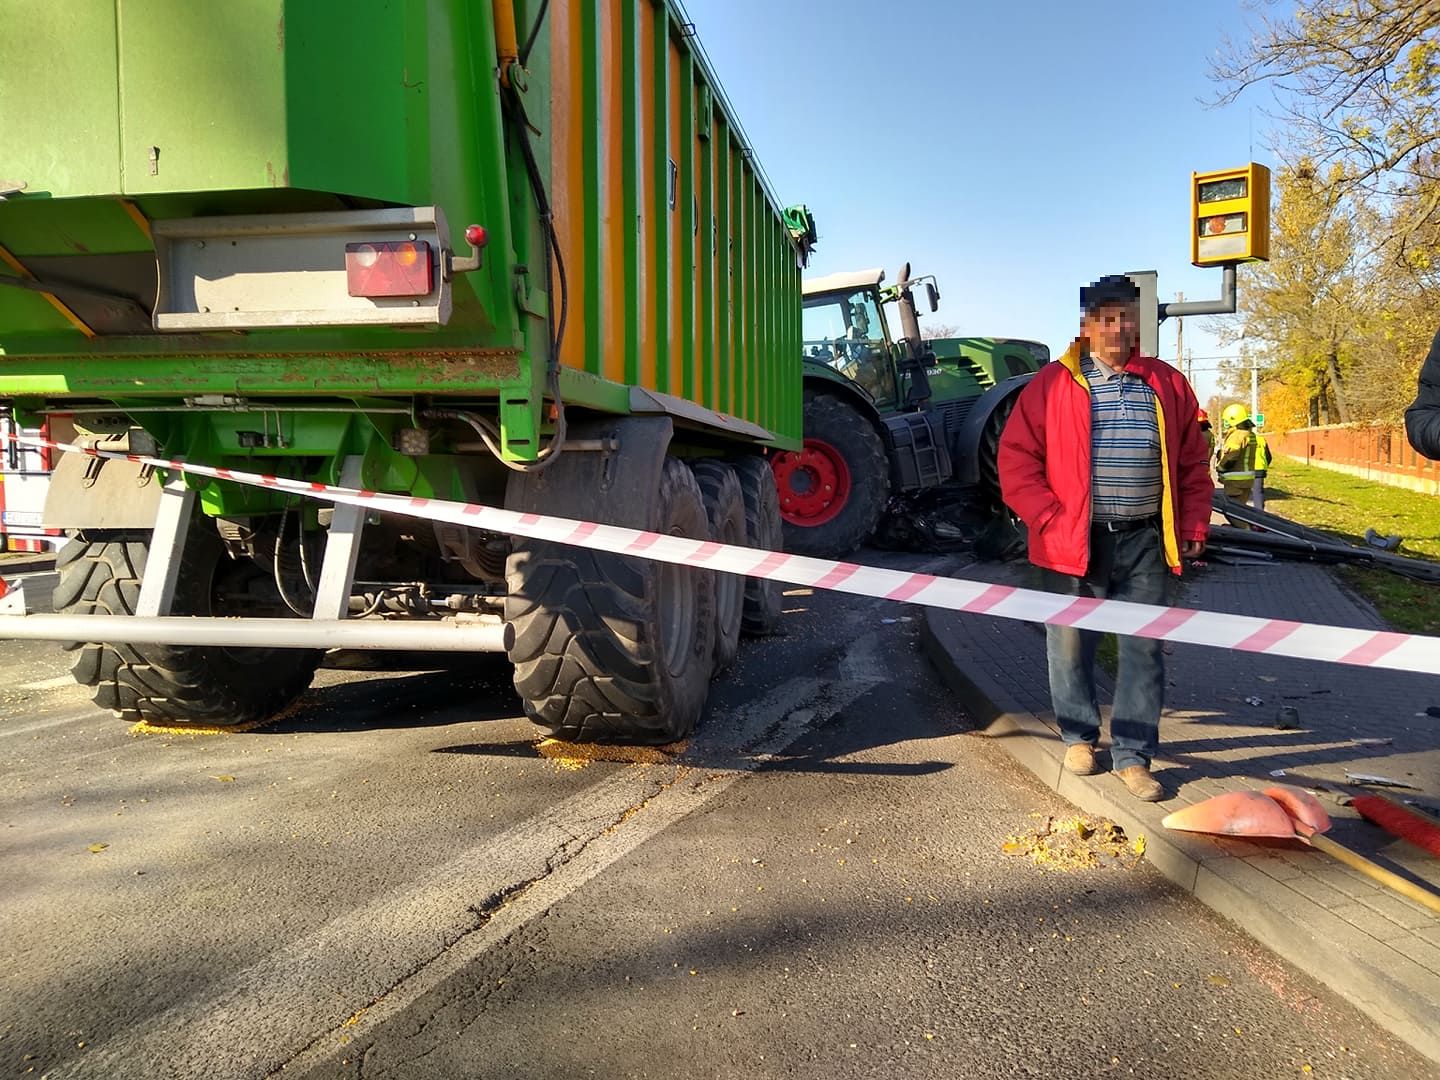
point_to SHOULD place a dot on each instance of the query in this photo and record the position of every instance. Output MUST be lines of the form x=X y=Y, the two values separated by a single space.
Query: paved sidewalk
x=1376 y=948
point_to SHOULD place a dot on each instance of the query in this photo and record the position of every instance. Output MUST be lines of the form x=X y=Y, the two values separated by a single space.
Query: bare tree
x=930 y=330
x=1358 y=86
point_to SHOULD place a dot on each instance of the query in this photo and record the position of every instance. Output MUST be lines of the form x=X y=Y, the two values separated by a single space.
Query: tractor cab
x=843 y=328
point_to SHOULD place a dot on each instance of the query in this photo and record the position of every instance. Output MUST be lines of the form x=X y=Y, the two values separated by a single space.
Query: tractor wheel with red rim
x=834 y=488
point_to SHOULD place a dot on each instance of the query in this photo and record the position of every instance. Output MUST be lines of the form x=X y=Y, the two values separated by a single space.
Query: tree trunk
x=1337 y=387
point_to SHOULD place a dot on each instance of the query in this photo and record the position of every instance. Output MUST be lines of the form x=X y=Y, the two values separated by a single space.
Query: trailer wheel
x=832 y=491
x=100 y=574
x=988 y=461
x=725 y=511
x=764 y=530
x=613 y=648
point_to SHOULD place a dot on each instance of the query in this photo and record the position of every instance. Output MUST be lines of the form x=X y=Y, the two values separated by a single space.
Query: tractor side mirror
x=933 y=294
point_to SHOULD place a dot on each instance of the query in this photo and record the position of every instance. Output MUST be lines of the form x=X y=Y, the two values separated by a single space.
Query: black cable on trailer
x=556 y=314
x=534 y=32
x=279 y=573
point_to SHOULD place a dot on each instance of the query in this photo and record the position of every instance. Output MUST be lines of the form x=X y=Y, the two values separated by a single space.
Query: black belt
x=1125 y=525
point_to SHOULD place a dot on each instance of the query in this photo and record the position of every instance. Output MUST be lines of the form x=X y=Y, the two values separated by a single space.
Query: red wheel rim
x=814 y=484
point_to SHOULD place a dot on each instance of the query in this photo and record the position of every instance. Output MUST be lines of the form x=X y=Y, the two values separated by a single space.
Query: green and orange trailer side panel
x=122 y=124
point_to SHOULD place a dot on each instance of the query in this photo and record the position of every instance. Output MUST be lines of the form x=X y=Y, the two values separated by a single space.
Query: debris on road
x=572 y=756
x=1270 y=535
x=144 y=727
x=1378 y=781
x=1076 y=843
x=1384 y=543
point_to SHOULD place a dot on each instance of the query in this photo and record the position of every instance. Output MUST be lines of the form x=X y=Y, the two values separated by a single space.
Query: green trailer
x=514 y=252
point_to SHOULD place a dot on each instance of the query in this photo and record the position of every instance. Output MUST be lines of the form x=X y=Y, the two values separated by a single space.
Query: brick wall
x=1378 y=453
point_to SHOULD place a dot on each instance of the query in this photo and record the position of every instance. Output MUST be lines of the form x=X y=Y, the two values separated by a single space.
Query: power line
x=1237 y=359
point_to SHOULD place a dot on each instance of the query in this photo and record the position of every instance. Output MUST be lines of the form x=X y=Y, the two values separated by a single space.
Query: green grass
x=1345 y=506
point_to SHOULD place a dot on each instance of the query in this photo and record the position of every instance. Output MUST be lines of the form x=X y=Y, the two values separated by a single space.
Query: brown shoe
x=1141 y=784
x=1080 y=759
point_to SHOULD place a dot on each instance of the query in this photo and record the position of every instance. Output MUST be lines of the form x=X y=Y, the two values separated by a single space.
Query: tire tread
x=100 y=574
x=586 y=634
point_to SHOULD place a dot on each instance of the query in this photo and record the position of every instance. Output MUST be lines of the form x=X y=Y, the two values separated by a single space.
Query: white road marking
x=49 y=684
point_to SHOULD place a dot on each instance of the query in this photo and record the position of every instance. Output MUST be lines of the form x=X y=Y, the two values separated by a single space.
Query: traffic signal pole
x=1145 y=281
x=1223 y=306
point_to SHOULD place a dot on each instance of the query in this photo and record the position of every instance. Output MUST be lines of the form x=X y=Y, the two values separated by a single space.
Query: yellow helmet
x=1234 y=414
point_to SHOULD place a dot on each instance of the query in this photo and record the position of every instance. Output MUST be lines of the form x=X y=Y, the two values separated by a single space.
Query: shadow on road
x=468 y=687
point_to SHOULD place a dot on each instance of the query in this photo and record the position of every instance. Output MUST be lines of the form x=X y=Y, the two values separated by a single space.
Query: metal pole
x=1224 y=306
x=1257 y=489
x=1180 y=338
x=342 y=548
x=439 y=635
x=167 y=547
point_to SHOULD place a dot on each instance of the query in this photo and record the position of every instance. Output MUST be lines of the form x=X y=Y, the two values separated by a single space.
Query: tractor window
x=845 y=332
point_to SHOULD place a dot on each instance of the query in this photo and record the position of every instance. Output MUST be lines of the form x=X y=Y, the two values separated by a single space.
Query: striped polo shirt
x=1125 y=479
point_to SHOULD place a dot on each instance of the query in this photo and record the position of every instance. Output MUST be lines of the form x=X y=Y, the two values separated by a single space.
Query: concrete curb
x=1400 y=996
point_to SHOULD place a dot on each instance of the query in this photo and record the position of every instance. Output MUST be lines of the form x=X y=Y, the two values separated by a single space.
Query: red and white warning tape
x=1277 y=637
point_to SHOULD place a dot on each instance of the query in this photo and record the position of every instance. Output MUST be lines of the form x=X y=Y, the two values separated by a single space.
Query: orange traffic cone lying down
x=1283 y=812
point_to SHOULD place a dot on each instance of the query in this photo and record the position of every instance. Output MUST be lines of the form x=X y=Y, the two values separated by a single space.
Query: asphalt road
x=394 y=882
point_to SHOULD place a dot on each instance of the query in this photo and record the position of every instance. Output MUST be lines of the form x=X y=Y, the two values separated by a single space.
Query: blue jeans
x=1123 y=566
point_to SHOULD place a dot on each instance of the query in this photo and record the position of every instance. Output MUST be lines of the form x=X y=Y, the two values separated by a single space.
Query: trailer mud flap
x=94 y=493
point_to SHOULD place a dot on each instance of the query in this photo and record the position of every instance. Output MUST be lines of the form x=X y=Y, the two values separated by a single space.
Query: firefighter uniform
x=1235 y=459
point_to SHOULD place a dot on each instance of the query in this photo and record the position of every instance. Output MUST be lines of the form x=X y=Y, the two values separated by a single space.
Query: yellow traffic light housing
x=1230 y=216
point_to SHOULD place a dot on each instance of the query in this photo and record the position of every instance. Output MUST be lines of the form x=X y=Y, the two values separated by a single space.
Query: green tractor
x=891 y=419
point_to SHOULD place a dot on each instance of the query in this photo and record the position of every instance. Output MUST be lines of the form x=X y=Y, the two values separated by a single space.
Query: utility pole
x=1257 y=489
x=1180 y=340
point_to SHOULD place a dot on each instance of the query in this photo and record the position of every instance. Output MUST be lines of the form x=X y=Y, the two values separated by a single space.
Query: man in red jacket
x=1103 y=461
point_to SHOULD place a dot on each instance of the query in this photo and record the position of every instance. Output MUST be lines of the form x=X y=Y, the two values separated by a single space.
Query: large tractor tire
x=763 y=530
x=100 y=574
x=988 y=452
x=725 y=512
x=834 y=489
x=614 y=648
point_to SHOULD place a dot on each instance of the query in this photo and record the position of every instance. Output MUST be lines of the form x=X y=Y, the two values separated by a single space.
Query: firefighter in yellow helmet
x=1263 y=457
x=1235 y=457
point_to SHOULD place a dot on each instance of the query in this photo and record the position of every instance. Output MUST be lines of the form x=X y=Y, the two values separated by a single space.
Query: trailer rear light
x=336 y=268
x=389 y=268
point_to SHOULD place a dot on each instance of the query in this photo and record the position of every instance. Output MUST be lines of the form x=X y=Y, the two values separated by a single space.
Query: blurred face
x=1114 y=332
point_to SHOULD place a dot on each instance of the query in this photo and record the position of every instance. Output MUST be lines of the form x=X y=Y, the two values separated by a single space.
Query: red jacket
x=1045 y=461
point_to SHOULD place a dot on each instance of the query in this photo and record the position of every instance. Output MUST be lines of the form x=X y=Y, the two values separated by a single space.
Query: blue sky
x=1015 y=150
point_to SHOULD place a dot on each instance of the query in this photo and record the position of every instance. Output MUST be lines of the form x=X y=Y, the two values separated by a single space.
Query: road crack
x=481 y=913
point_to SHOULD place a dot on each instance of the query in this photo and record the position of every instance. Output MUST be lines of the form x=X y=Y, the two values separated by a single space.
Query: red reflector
x=391 y=268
